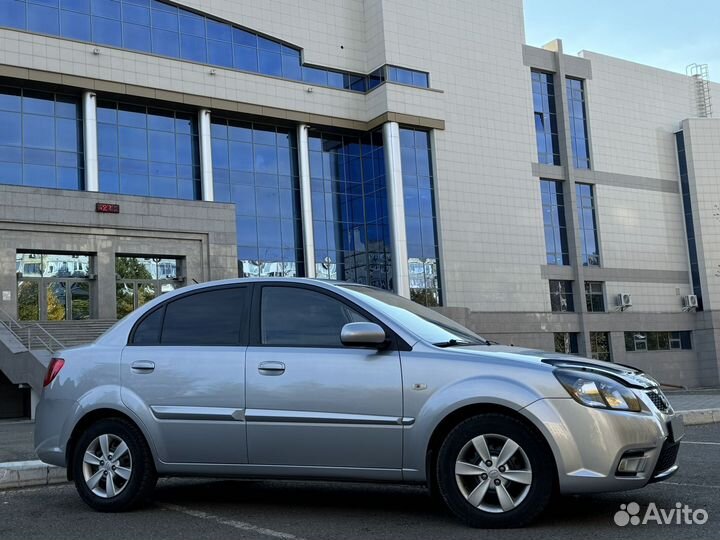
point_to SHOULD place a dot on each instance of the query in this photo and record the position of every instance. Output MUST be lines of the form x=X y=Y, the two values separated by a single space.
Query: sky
x=661 y=33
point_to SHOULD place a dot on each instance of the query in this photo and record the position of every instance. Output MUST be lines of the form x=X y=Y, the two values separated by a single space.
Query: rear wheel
x=493 y=471
x=112 y=466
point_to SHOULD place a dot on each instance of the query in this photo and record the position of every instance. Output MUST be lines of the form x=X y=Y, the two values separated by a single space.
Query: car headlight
x=595 y=390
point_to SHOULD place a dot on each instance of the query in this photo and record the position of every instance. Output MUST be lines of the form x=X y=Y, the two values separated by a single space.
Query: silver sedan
x=296 y=378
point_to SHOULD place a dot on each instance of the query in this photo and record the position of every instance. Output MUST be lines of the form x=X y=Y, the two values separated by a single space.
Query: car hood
x=628 y=375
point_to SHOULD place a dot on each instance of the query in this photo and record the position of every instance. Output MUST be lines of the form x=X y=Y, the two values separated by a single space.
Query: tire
x=476 y=492
x=131 y=469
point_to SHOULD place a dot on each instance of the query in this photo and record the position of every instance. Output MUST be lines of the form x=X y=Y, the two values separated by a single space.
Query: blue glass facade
x=578 y=123
x=40 y=139
x=255 y=167
x=545 y=116
x=587 y=224
x=420 y=219
x=164 y=29
x=349 y=201
x=687 y=212
x=147 y=151
x=553 y=204
x=411 y=77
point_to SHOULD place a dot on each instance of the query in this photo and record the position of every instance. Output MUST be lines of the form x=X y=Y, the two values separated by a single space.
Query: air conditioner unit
x=690 y=301
x=624 y=300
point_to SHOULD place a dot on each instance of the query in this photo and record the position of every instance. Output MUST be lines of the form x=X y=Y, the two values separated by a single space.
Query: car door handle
x=271 y=368
x=143 y=366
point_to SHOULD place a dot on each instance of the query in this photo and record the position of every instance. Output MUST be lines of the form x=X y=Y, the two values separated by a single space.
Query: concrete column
x=206 y=164
x=306 y=200
x=89 y=101
x=34 y=399
x=396 y=208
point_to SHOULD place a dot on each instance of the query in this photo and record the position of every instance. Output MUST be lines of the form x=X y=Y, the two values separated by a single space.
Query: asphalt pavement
x=213 y=509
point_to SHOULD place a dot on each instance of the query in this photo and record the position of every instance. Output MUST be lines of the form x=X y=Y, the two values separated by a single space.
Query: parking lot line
x=241 y=525
x=702 y=442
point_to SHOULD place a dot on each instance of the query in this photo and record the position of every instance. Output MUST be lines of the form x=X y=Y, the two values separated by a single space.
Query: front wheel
x=113 y=466
x=494 y=472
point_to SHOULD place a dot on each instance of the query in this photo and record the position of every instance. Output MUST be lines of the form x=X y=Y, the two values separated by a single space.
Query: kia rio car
x=297 y=378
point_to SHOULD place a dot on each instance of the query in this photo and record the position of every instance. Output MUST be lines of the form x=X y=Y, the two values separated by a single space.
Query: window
x=553 y=203
x=587 y=224
x=657 y=341
x=561 y=296
x=255 y=167
x=140 y=279
x=350 y=212
x=165 y=29
x=303 y=318
x=567 y=342
x=205 y=318
x=594 y=296
x=578 y=123
x=420 y=216
x=41 y=141
x=546 y=130
x=148 y=151
x=688 y=214
x=600 y=346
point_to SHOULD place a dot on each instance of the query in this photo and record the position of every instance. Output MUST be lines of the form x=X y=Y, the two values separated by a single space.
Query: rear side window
x=214 y=317
x=296 y=317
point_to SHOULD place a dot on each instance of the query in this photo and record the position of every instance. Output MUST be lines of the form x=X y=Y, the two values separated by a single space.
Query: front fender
x=483 y=390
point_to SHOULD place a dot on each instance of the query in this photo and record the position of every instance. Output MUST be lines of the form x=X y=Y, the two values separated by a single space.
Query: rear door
x=183 y=373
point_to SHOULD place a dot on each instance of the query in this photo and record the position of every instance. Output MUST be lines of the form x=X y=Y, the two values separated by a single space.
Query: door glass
x=55 y=304
x=205 y=318
x=80 y=298
x=124 y=299
x=303 y=318
x=28 y=296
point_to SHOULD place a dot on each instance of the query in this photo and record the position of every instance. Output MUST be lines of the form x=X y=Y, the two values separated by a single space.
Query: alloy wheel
x=107 y=466
x=493 y=473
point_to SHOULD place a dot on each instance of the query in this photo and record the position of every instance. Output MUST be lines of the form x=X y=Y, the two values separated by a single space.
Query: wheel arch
x=90 y=418
x=460 y=414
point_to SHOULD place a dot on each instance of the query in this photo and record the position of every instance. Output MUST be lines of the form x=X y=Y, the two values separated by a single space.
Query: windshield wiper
x=458 y=343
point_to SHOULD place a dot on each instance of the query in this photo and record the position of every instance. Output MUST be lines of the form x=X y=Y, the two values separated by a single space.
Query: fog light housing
x=632 y=464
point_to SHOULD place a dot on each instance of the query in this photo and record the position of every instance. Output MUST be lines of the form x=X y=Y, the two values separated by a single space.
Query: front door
x=310 y=400
x=183 y=372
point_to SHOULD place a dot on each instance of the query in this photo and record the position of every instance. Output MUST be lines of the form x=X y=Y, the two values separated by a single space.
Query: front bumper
x=589 y=444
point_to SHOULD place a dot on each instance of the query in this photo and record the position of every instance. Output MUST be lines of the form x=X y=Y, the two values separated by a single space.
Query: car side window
x=297 y=317
x=206 y=318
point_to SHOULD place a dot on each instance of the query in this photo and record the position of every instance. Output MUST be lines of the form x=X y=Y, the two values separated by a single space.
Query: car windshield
x=429 y=325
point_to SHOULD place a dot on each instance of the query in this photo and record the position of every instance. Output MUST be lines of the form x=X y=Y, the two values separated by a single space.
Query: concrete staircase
x=26 y=347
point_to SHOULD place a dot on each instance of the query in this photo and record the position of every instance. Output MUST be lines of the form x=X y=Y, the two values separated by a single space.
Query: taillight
x=54 y=368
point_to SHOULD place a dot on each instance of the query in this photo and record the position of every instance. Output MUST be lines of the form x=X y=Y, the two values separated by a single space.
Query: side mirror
x=363 y=334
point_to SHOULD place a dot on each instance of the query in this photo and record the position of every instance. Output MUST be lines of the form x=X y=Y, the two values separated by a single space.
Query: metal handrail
x=30 y=337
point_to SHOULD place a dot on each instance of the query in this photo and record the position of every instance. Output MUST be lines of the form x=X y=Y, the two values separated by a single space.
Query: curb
x=699 y=417
x=19 y=474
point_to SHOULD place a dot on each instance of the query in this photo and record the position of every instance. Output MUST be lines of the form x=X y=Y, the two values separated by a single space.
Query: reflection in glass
x=41 y=138
x=349 y=199
x=55 y=303
x=420 y=219
x=80 y=301
x=140 y=279
x=255 y=167
x=28 y=297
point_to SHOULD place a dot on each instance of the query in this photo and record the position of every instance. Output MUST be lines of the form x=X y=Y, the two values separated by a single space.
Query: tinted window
x=303 y=318
x=148 y=331
x=205 y=318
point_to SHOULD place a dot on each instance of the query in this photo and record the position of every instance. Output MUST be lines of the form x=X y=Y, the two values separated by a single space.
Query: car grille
x=660 y=401
x=668 y=457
